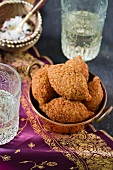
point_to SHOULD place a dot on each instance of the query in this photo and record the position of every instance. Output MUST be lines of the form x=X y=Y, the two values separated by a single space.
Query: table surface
x=50 y=45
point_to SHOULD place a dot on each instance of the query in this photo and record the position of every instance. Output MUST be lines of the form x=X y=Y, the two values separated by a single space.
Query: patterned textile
x=34 y=147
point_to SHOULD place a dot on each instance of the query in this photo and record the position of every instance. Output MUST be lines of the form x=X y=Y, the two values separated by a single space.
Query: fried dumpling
x=95 y=90
x=79 y=65
x=41 y=88
x=66 y=111
x=68 y=83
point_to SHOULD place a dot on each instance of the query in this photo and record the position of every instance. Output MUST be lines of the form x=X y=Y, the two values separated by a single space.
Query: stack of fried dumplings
x=64 y=92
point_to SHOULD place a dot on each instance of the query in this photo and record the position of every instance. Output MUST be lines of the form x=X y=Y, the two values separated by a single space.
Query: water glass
x=82 y=27
x=10 y=91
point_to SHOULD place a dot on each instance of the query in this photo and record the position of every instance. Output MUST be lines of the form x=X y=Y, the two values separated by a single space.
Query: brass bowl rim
x=22 y=44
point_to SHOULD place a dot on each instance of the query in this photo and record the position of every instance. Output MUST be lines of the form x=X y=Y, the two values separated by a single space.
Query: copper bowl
x=73 y=127
x=10 y=9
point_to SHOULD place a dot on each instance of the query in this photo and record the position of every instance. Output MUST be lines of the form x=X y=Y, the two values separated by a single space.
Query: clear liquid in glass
x=81 y=34
x=9 y=120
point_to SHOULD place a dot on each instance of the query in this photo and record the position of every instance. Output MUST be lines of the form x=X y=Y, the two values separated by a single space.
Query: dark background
x=50 y=45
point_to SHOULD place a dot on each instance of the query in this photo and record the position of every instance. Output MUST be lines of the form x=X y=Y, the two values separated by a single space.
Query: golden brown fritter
x=41 y=88
x=68 y=83
x=95 y=90
x=79 y=65
x=66 y=111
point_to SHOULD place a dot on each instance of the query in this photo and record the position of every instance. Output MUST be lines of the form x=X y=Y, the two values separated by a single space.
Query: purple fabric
x=36 y=148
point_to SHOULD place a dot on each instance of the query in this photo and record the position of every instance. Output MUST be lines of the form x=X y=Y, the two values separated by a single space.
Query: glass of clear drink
x=82 y=27
x=10 y=91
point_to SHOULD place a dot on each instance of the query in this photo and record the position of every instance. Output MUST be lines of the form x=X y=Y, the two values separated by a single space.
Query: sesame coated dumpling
x=41 y=88
x=68 y=83
x=95 y=90
x=79 y=65
x=66 y=111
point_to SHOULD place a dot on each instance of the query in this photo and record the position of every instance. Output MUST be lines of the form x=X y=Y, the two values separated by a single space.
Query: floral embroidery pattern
x=73 y=168
x=40 y=166
x=17 y=151
x=31 y=145
x=5 y=157
x=22 y=128
x=19 y=61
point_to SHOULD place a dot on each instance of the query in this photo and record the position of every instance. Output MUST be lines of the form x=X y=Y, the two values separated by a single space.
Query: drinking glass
x=82 y=27
x=10 y=91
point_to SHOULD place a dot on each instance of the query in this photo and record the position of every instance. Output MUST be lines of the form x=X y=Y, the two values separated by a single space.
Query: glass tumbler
x=10 y=91
x=82 y=27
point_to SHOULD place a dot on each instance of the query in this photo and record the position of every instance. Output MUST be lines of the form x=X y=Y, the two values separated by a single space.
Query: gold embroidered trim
x=42 y=165
x=5 y=157
x=17 y=151
x=31 y=145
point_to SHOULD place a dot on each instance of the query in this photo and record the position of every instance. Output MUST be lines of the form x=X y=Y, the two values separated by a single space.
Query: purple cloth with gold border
x=36 y=148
